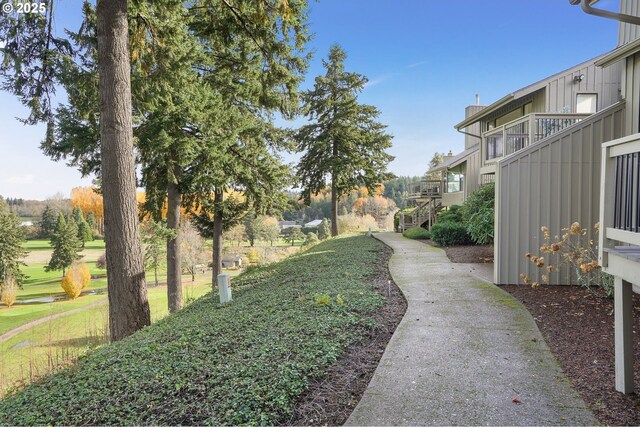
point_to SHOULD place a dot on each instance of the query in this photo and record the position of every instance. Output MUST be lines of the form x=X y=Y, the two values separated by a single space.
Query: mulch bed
x=331 y=400
x=578 y=327
x=466 y=254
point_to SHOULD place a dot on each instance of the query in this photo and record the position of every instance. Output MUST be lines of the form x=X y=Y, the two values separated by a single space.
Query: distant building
x=27 y=223
x=288 y=224
x=231 y=260
x=314 y=223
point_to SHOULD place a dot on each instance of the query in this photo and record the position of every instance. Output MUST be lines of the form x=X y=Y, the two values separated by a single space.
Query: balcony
x=619 y=242
x=520 y=133
x=426 y=189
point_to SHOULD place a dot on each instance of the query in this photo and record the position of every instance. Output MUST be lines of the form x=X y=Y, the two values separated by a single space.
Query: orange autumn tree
x=88 y=199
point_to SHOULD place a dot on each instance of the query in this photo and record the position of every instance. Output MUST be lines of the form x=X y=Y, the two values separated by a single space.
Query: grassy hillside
x=245 y=362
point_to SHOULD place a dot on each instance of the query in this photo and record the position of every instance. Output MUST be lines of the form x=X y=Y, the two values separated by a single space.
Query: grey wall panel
x=562 y=90
x=552 y=183
x=629 y=32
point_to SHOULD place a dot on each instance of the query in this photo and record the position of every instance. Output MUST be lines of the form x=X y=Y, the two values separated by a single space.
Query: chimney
x=477 y=99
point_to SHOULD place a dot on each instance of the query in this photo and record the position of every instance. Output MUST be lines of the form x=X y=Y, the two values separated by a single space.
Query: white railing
x=520 y=133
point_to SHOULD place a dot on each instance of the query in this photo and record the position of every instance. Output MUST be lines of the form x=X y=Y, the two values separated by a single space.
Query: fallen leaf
x=515 y=400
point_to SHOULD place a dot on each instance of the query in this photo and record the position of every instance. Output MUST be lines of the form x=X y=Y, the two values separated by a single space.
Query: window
x=454 y=182
x=586 y=103
x=494 y=146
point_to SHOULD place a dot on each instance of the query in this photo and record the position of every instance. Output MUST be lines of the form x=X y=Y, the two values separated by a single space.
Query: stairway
x=420 y=215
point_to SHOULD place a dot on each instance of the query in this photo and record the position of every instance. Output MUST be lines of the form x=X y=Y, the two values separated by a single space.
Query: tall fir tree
x=344 y=142
x=39 y=64
x=12 y=252
x=48 y=222
x=66 y=245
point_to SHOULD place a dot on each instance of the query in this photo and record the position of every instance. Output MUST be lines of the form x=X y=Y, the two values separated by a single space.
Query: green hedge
x=450 y=234
x=452 y=214
x=417 y=233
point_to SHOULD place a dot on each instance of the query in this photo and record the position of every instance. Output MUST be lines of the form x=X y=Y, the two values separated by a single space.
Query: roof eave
x=619 y=54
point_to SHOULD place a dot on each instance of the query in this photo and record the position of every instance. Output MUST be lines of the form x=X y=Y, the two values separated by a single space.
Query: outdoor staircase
x=421 y=214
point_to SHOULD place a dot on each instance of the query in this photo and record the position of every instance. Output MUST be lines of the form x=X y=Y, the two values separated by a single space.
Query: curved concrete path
x=462 y=352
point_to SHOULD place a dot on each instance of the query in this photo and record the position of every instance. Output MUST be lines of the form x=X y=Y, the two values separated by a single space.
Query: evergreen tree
x=39 y=64
x=155 y=235
x=344 y=140
x=48 y=222
x=12 y=253
x=91 y=221
x=66 y=245
x=251 y=227
x=84 y=230
x=324 y=231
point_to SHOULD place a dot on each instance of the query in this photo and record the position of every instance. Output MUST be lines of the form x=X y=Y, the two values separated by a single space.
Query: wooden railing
x=426 y=188
x=520 y=133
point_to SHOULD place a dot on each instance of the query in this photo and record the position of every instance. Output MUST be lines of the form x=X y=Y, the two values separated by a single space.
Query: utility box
x=224 y=287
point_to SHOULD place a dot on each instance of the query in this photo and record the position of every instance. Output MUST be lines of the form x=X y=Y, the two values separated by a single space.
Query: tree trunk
x=217 y=236
x=155 y=275
x=334 y=208
x=174 y=267
x=128 y=305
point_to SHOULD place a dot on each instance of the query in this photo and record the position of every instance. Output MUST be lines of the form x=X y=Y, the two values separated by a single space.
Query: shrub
x=450 y=234
x=254 y=256
x=480 y=226
x=75 y=280
x=452 y=214
x=573 y=249
x=417 y=233
x=478 y=213
x=102 y=261
x=8 y=292
x=312 y=239
x=352 y=223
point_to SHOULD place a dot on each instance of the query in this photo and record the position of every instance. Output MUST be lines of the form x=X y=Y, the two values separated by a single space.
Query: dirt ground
x=466 y=254
x=578 y=327
x=331 y=400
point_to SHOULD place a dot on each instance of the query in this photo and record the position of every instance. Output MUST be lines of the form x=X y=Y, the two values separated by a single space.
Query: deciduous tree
x=344 y=142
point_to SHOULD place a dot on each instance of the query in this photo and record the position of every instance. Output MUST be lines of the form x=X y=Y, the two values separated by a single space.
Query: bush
x=481 y=226
x=75 y=280
x=452 y=214
x=478 y=213
x=417 y=233
x=102 y=261
x=312 y=239
x=8 y=292
x=254 y=256
x=450 y=234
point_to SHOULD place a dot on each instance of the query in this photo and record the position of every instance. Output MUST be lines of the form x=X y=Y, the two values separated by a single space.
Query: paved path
x=462 y=352
x=13 y=332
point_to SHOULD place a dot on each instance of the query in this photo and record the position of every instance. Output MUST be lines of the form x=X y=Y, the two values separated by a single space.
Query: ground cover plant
x=417 y=233
x=245 y=362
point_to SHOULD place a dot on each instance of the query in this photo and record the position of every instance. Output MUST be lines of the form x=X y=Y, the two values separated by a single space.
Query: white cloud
x=417 y=64
x=20 y=179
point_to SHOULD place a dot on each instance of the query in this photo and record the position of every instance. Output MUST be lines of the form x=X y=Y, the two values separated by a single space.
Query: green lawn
x=72 y=335
x=242 y=363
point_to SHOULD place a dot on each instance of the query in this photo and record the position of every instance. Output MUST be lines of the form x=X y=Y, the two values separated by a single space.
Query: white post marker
x=224 y=287
x=369 y=233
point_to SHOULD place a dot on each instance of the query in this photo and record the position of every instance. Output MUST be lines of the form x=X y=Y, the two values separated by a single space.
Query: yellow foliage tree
x=88 y=200
x=76 y=279
x=8 y=292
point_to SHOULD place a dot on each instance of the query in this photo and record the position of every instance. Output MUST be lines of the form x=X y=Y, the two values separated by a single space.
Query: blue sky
x=425 y=60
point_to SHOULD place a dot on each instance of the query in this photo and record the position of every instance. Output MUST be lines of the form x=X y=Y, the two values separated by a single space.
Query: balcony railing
x=619 y=243
x=520 y=133
x=620 y=202
x=426 y=189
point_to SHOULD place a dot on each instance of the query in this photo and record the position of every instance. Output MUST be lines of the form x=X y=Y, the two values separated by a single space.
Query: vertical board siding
x=628 y=32
x=562 y=91
x=552 y=183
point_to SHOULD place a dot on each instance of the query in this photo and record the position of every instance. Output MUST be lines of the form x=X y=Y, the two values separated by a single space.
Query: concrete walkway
x=463 y=351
